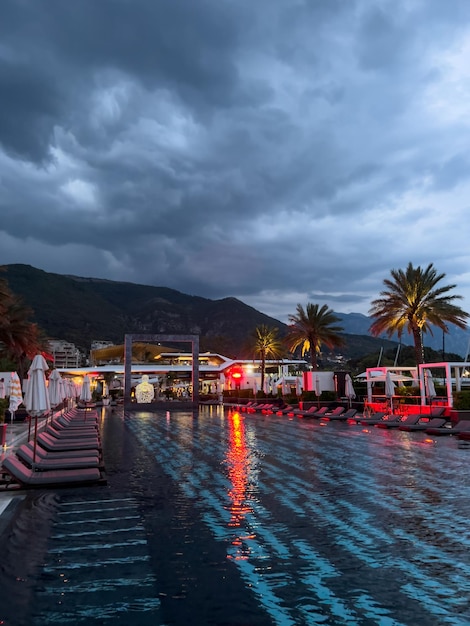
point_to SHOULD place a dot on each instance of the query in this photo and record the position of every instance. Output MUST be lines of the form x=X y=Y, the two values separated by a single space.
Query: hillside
x=456 y=341
x=82 y=310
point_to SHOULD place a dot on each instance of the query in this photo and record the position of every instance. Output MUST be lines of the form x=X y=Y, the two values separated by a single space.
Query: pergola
x=128 y=343
x=457 y=367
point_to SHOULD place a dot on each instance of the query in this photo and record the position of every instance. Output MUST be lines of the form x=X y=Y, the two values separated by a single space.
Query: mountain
x=456 y=341
x=81 y=310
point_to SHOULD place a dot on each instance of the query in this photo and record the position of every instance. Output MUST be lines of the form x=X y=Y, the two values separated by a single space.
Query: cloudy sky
x=278 y=151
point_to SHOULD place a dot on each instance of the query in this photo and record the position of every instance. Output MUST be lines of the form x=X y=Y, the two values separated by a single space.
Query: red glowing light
x=236 y=373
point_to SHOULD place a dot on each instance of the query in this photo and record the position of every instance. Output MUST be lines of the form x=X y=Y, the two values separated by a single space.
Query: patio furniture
x=41 y=453
x=407 y=421
x=51 y=444
x=373 y=419
x=318 y=413
x=436 y=422
x=303 y=412
x=24 y=477
x=460 y=427
x=26 y=455
x=337 y=412
x=347 y=415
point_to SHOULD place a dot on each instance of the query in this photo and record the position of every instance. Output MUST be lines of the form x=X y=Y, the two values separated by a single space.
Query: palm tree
x=311 y=327
x=413 y=301
x=267 y=345
x=20 y=339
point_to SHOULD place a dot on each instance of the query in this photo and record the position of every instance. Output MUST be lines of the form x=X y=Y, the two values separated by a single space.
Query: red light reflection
x=237 y=460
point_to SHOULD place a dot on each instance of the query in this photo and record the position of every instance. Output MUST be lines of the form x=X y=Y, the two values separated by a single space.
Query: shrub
x=4 y=403
x=309 y=396
x=462 y=400
x=291 y=399
x=406 y=391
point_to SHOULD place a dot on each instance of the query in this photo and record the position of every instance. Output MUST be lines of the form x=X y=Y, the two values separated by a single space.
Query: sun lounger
x=389 y=421
x=437 y=411
x=26 y=477
x=302 y=412
x=436 y=422
x=407 y=421
x=285 y=411
x=95 y=441
x=269 y=408
x=51 y=444
x=75 y=422
x=347 y=415
x=373 y=419
x=247 y=406
x=59 y=454
x=313 y=412
x=257 y=407
x=26 y=455
x=335 y=413
x=460 y=427
x=71 y=433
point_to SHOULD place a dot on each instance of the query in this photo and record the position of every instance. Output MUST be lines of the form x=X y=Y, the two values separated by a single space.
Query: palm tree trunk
x=313 y=358
x=418 y=341
x=263 y=369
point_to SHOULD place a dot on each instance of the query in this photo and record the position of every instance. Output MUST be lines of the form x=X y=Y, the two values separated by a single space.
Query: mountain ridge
x=83 y=309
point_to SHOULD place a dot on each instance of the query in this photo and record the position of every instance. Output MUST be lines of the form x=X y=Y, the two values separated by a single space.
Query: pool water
x=220 y=518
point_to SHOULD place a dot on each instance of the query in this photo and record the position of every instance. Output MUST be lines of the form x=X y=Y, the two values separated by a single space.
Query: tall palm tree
x=311 y=328
x=267 y=344
x=413 y=301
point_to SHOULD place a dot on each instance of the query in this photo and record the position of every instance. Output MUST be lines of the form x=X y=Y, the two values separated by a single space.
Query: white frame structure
x=128 y=341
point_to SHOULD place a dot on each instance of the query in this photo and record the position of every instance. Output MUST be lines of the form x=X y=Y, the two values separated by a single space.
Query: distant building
x=100 y=344
x=65 y=354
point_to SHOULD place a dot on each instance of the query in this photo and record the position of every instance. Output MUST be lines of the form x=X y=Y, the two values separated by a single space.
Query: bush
x=406 y=391
x=309 y=396
x=291 y=399
x=462 y=400
x=4 y=403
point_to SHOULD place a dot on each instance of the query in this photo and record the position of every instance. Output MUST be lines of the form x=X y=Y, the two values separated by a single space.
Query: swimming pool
x=221 y=518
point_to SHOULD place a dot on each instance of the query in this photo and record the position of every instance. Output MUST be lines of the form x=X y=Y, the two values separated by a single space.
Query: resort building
x=65 y=354
x=170 y=371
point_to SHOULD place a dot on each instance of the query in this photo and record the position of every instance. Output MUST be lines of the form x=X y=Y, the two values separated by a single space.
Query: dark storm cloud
x=273 y=151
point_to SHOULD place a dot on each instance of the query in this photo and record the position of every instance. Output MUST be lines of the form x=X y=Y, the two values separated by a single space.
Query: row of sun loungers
x=433 y=423
x=68 y=452
x=339 y=413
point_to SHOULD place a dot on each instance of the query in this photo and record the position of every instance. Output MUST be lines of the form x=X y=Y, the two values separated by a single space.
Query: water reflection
x=238 y=465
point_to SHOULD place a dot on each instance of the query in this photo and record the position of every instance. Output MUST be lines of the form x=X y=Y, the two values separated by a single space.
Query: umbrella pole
x=35 y=437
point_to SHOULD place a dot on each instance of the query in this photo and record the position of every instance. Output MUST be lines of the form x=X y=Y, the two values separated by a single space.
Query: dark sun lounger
x=347 y=415
x=407 y=421
x=26 y=455
x=26 y=477
x=461 y=427
x=436 y=422
x=59 y=454
x=53 y=445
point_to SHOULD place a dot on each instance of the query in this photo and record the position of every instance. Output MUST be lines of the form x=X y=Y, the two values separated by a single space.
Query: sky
x=276 y=151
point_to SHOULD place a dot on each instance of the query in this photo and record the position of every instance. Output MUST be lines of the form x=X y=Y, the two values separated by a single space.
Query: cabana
x=451 y=382
x=400 y=375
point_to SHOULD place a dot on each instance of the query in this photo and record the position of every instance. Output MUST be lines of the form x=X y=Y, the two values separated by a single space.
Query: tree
x=412 y=301
x=311 y=327
x=20 y=339
x=267 y=345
